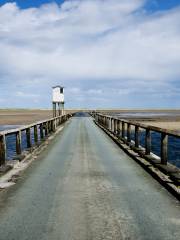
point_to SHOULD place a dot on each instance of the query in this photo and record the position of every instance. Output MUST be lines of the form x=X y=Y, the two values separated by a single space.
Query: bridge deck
x=83 y=186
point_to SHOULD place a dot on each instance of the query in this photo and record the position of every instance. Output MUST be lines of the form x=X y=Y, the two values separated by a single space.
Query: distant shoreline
x=27 y=116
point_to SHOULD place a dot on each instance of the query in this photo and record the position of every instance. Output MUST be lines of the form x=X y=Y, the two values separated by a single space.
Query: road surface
x=84 y=187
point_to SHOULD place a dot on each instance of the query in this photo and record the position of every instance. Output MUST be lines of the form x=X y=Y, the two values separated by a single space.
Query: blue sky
x=152 y=5
x=112 y=53
x=31 y=3
x=156 y=5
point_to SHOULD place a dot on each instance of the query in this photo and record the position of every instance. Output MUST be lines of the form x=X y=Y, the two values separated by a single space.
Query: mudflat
x=23 y=117
x=167 y=119
x=170 y=121
x=171 y=125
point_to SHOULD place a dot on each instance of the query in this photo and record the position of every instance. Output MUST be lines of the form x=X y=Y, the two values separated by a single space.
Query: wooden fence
x=123 y=129
x=45 y=128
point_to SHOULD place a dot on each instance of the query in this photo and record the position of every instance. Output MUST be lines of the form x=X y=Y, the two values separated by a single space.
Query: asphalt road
x=83 y=187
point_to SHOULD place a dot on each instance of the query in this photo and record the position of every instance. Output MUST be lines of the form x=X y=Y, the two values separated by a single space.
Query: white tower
x=58 y=99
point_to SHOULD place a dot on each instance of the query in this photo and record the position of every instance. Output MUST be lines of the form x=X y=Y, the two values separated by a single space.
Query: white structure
x=58 y=99
x=58 y=94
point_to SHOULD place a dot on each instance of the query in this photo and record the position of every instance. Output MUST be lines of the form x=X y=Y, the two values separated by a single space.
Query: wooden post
x=41 y=131
x=118 y=127
x=54 y=125
x=35 y=134
x=148 y=141
x=112 y=126
x=50 y=126
x=18 y=143
x=46 y=128
x=2 y=150
x=115 y=126
x=54 y=109
x=59 y=122
x=59 y=109
x=55 y=112
x=123 y=129
x=104 y=121
x=28 y=137
x=136 y=136
x=164 y=148
x=129 y=133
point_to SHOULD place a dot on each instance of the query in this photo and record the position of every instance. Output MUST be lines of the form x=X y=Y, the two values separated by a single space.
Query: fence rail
x=45 y=128
x=123 y=129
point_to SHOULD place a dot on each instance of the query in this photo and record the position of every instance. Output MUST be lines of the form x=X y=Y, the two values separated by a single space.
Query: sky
x=107 y=53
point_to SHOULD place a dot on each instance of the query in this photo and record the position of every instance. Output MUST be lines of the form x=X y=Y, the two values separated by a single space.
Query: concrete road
x=83 y=187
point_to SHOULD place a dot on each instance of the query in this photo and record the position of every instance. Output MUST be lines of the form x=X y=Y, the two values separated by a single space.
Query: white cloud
x=25 y=95
x=111 y=43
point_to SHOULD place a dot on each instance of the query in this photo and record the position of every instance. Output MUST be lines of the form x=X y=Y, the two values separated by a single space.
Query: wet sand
x=23 y=117
x=170 y=125
x=167 y=119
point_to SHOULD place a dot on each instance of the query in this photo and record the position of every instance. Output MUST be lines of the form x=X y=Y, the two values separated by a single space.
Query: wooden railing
x=45 y=128
x=123 y=129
